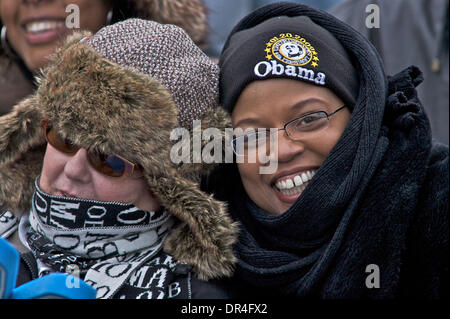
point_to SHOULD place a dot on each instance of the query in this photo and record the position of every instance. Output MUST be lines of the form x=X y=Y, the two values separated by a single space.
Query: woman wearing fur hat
x=86 y=162
x=31 y=30
x=357 y=205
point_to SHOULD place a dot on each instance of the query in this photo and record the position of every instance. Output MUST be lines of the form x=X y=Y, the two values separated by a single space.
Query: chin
x=281 y=209
x=38 y=60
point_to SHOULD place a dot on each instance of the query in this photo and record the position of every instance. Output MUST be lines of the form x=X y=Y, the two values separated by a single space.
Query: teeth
x=293 y=191
x=289 y=184
x=304 y=177
x=40 y=26
x=297 y=184
x=298 y=181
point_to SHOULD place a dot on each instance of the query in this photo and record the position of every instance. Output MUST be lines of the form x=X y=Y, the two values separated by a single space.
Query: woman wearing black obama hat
x=357 y=206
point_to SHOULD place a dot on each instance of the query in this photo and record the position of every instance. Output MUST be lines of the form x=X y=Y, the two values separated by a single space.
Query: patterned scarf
x=8 y=224
x=105 y=241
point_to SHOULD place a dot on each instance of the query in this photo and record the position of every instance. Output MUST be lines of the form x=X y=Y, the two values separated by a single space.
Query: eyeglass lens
x=109 y=165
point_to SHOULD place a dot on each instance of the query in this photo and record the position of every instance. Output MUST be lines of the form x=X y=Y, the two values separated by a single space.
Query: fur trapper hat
x=122 y=91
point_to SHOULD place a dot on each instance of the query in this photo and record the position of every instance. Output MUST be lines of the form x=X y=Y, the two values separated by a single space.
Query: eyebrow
x=255 y=121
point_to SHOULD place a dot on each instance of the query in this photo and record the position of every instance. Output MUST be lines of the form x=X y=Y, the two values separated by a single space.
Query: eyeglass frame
x=328 y=115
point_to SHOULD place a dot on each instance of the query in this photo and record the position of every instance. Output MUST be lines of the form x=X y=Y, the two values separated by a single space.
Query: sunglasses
x=109 y=165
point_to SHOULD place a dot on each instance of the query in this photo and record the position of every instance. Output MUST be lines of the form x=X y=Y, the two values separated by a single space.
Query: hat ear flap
x=205 y=236
x=22 y=148
x=20 y=130
x=214 y=142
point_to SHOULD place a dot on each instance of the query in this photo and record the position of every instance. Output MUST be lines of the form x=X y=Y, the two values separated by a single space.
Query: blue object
x=55 y=286
x=60 y=286
x=9 y=265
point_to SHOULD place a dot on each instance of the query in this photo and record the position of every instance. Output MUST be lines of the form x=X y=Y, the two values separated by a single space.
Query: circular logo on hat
x=291 y=49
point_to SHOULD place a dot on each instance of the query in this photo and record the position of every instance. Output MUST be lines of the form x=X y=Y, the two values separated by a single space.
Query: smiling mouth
x=44 y=30
x=295 y=184
x=42 y=26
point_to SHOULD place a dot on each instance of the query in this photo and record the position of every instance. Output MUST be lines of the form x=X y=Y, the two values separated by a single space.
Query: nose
x=77 y=167
x=287 y=149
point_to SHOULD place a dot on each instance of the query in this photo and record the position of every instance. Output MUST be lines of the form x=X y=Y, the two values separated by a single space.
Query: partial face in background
x=36 y=27
x=73 y=176
x=271 y=104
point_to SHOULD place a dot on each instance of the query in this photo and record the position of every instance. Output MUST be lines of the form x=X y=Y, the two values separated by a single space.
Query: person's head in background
x=32 y=29
x=300 y=81
x=35 y=28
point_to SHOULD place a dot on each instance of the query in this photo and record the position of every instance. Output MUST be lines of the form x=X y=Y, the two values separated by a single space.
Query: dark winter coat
x=179 y=284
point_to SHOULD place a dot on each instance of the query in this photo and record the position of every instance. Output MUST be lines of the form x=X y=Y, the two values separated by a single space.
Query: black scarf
x=292 y=252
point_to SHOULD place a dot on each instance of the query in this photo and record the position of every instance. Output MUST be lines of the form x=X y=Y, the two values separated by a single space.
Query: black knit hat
x=285 y=47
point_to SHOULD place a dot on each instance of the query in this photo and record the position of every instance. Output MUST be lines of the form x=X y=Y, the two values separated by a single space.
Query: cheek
x=52 y=168
x=327 y=143
x=9 y=16
x=108 y=189
x=251 y=179
x=123 y=190
x=135 y=192
x=92 y=14
x=8 y=10
x=248 y=171
x=329 y=138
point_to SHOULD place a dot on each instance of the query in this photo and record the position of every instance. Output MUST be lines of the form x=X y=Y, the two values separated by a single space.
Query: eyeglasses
x=110 y=165
x=300 y=128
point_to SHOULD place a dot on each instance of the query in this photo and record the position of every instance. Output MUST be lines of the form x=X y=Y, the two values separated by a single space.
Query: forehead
x=276 y=100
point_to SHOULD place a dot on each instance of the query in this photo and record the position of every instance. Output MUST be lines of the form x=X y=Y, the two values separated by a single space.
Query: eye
x=115 y=163
x=309 y=119
x=259 y=137
x=310 y=122
x=69 y=143
x=248 y=139
x=60 y=143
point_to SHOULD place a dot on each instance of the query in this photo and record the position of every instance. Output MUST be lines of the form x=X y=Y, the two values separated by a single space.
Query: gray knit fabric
x=164 y=52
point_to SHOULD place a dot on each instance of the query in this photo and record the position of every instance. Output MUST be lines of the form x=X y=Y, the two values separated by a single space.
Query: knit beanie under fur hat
x=165 y=53
x=122 y=91
x=285 y=47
